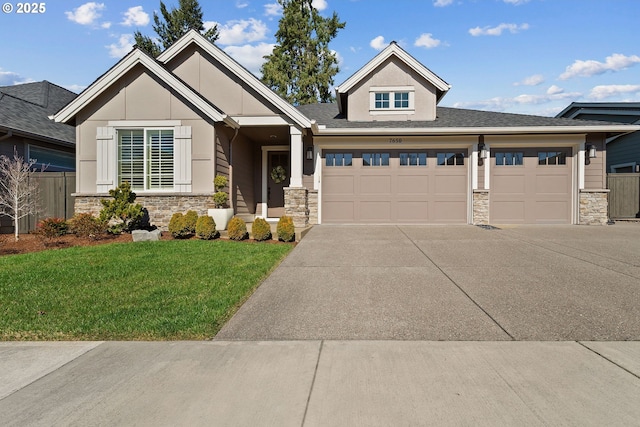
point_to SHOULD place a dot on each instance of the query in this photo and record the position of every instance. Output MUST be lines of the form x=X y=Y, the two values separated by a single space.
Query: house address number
x=395 y=140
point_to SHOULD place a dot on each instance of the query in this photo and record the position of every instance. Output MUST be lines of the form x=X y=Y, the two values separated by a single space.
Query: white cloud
x=122 y=47
x=9 y=78
x=319 y=4
x=516 y=2
x=609 y=91
x=135 y=16
x=242 y=31
x=272 y=9
x=378 y=43
x=615 y=62
x=251 y=57
x=426 y=40
x=241 y=4
x=497 y=31
x=75 y=88
x=554 y=90
x=554 y=93
x=86 y=14
x=533 y=80
x=442 y=3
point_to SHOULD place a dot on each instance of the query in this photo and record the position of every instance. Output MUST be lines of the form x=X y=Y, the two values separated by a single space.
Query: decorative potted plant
x=221 y=214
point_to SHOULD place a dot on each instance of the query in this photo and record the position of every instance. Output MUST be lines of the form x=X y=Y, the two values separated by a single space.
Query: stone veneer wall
x=296 y=206
x=313 y=207
x=594 y=206
x=160 y=207
x=480 y=207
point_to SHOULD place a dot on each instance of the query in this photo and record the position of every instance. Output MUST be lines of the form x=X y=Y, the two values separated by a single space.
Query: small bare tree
x=19 y=193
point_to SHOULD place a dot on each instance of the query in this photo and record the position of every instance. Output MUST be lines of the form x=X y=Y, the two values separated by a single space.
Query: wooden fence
x=55 y=200
x=624 y=196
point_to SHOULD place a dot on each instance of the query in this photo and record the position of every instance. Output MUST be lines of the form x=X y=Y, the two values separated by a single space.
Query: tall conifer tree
x=174 y=24
x=301 y=67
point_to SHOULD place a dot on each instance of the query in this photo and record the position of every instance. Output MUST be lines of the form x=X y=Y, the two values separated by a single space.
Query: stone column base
x=296 y=205
x=594 y=205
x=480 y=207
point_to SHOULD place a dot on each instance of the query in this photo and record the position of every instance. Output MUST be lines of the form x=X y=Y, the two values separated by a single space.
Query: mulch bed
x=33 y=243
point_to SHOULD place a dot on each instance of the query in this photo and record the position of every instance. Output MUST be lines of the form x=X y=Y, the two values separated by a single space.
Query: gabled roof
x=24 y=109
x=238 y=70
x=456 y=121
x=132 y=59
x=622 y=112
x=394 y=50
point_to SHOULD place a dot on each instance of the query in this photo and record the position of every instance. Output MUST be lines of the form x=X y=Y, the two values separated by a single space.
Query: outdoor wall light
x=484 y=153
x=309 y=153
x=591 y=149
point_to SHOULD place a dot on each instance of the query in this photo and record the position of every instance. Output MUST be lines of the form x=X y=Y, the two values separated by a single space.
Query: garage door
x=531 y=186
x=394 y=186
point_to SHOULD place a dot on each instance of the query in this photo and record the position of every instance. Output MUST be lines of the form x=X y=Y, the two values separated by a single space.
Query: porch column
x=296 y=157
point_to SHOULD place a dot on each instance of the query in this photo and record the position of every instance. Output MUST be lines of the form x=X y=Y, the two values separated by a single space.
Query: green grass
x=168 y=290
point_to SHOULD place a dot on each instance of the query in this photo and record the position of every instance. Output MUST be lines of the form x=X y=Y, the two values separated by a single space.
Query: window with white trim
x=392 y=100
x=145 y=158
x=381 y=100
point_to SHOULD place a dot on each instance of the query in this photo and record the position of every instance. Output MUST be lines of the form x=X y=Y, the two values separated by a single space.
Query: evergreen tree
x=301 y=67
x=174 y=24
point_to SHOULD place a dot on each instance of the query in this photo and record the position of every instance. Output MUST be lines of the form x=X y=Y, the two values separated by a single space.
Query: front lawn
x=167 y=290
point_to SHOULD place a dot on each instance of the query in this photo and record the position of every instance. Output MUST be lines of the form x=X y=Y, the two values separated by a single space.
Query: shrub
x=52 y=227
x=122 y=208
x=190 y=220
x=220 y=198
x=178 y=227
x=285 y=229
x=261 y=229
x=206 y=228
x=87 y=225
x=237 y=229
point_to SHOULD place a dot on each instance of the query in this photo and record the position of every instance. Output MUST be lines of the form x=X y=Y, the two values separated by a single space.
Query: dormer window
x=392 y=100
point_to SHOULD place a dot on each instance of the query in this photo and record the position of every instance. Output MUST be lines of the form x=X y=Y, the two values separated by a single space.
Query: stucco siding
x=594 y=171
x=392 y=73
x=215 y=83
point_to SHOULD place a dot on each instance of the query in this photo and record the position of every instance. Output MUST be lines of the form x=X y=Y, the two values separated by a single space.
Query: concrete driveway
x=542 y=283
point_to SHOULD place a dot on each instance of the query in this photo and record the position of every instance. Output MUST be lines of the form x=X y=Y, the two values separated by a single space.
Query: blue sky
x=520 y=56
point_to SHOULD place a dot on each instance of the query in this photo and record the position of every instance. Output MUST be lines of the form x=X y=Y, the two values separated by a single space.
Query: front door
x=277 y=179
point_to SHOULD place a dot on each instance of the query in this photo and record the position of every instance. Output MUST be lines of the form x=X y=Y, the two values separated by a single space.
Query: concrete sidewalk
x=320 y=383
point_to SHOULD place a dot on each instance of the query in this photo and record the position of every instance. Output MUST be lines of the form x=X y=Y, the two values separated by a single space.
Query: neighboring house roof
x=132 y=59
x=25 y=109
x=238 y=70
x=621 y=112
x=393 y=49
x=455 y=121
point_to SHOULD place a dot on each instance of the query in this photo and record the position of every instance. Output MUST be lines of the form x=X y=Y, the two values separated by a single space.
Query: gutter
x=623 y=129
x=7 y=136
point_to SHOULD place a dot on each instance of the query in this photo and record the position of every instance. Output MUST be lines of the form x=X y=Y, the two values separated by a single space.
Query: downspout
x=7 y=136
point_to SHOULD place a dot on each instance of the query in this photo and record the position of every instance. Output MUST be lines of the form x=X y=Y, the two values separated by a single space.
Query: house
x=384 y=153
x=25 y=126
x=623 y=150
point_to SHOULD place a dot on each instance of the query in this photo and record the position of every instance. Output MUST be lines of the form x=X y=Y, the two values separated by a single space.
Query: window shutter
x=105 y=159
x=182 y=159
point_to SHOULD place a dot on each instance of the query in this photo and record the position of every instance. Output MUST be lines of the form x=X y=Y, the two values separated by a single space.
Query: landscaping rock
x=146 y=236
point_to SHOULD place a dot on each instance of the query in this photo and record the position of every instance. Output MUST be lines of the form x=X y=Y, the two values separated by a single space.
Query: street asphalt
x=378 y=326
